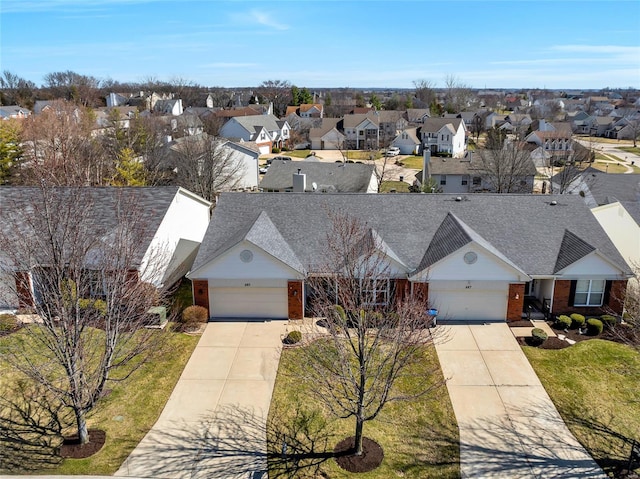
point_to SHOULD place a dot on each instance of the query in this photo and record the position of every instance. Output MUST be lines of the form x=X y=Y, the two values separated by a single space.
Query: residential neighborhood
x=285 y=240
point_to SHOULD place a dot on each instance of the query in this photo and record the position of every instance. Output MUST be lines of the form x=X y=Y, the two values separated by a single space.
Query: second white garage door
x=267 y=303
x=483 y=301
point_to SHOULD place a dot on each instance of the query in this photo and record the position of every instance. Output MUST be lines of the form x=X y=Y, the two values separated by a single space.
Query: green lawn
x=415 y=162
x=399 y=186
x=594 y=385
x=610 y=167
x=126 y=413
x=630 y=149
x=419 y=437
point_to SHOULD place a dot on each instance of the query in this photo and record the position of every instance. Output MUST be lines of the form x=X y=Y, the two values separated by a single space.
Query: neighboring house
x=417 y=116
x=174 y=219
x=474 y=258
x=493 y=120
x=122 y=115
x=554 y=138
x=116 y=99
x=598 y=125
x=169 y=107
x=239 y=157
x=265 y=130
x=470 y=174
x=444 y=135
x=580 y=121
x=390 y=123
x=306 y=110
x=328 y=136
x=14 y=111
x=408 y=142
x=361 y=131
x=313 y=176
x=599 y=188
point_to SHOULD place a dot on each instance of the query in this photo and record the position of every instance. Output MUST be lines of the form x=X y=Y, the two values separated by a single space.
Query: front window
x=465 y=180
x=443 y=179
x=589 y=292
x=477 y=180
x=375 y=291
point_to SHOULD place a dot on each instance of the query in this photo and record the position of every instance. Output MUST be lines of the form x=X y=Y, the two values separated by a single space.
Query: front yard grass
x=399 y=186
x=608 y=166
x=630 y=149
x=594 y=385
x=419 y=437
x=414 y=162
x=127 y=412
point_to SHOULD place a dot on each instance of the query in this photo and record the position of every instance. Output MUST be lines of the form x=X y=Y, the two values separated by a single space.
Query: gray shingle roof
x=344 y=177
x=99 y=206
x=525 y=229
x=571 y=250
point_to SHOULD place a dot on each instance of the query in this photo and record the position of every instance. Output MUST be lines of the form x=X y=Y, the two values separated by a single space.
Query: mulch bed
x=524 y=323
x=372 y=455
x=71 y=447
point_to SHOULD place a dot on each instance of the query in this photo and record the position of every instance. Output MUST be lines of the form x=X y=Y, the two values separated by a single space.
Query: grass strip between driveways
x=419 y=437
x=399 y=186
x=128 y=411
x=594 y=385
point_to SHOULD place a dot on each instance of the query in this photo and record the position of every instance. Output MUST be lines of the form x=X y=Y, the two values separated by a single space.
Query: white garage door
x=483 y=301
x=268 y=303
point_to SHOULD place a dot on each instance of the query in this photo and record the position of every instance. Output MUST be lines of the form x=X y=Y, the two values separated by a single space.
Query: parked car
x=263 y=169
x=392 y=151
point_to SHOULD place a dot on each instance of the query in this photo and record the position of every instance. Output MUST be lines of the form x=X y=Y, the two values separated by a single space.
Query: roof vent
x=553 y=203
x=458 y=198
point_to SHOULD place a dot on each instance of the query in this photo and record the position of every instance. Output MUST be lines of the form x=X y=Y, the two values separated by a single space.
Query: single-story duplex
x=474 y=257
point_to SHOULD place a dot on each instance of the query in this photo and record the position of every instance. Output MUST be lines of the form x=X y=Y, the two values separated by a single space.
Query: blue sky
x=359 y=44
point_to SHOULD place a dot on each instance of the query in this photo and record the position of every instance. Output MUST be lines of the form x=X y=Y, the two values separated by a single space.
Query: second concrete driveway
x=213 y=425
x=509 y=428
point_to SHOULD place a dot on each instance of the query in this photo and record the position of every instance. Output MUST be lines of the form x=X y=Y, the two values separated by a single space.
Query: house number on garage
x=247 y=284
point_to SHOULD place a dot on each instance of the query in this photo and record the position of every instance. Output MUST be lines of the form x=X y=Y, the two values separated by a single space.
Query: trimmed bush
x=293 y=337
x=8 y=322
x=195 y=314
x=563 y=322
x=98 y=305
x=275 y=149
x=594 y=327
x=577 y=320
x=538 y=336
x=608 y=320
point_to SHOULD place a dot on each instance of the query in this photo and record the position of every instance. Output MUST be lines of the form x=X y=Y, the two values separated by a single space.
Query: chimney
x=426 y=165
x=299 y=182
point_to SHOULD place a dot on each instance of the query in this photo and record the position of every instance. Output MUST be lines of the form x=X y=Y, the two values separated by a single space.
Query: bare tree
x=509 y=169
x=87 y=274
x=277 y=92
x=58 y=146
x=69 y=85
x=205 y=166
x=425 y=92
x=15 y=90
x=373 y=334
x=458 y=95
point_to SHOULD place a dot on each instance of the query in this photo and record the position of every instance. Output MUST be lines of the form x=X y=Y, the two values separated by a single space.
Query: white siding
x=591 y=266
x=469 y=300
x=621 y=228
x=187 y=218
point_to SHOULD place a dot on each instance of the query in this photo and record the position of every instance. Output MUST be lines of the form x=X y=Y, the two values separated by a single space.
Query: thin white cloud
x=26 y=6
x=265 y=19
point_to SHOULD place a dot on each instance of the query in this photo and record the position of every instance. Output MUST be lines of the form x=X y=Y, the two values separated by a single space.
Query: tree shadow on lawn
x=533 y=442
x=31 y=426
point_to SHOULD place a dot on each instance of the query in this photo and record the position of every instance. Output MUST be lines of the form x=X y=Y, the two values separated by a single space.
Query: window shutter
x=572 y=292
x=607 y=293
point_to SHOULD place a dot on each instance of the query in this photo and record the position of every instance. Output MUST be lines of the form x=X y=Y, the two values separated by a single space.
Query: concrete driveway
x=509 y=428
x=213 y=425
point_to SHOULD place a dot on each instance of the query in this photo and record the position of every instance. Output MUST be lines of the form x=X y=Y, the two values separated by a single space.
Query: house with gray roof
x=172 y=225
x=474 y=257
x=315 y=176
x=265 y=130
x=444 y=136
x=8 y=112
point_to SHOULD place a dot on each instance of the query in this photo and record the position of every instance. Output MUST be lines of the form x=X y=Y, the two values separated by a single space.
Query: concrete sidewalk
x=509 y=428
x=214 y=422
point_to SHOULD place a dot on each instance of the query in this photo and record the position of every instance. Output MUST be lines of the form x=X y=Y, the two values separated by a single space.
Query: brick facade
x=515 y=303
x=613 y=301
x=201 y=294
x=295 y=303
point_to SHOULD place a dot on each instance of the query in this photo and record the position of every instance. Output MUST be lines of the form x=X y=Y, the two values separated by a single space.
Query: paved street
x=509 y=428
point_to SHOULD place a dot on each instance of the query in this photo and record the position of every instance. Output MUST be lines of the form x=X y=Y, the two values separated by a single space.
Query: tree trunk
x=358 y=439
x=81 y=422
